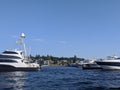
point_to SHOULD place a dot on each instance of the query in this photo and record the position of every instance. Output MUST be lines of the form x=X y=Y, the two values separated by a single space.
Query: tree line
x=56 y=60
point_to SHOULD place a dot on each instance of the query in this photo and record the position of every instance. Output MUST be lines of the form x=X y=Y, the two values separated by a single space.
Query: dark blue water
x=61 y=78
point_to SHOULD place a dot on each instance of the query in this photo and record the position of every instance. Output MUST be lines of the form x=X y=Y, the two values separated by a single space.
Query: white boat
x=112 y=62
x=90 y=64
x=15 y=60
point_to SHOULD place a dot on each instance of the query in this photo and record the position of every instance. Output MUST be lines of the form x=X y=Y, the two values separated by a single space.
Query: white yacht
x=15 y=60
x=90 y=64
x=112 y=62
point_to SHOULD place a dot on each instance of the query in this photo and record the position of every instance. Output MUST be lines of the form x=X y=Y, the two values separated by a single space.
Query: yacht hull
x=12 y=68
x=91 y=66
x=109 y=65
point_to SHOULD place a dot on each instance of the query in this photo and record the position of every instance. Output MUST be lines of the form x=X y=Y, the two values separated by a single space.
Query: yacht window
x=5 y=56
x=10 y=61
x=10 y=52
x=21 y=53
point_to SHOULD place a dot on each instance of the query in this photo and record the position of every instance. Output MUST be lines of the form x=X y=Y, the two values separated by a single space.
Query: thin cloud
x=63 y=42
x=38 y=40
x=14 y=36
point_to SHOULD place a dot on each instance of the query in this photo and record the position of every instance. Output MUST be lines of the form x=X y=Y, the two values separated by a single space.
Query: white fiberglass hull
x=110 y=67
x=18 y=67
x=11 y=68
x=109 y=64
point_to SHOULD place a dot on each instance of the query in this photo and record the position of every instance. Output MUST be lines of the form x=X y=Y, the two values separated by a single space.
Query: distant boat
x=112 y=62
x=75 y=65
x=90 y=64
x=15 y=60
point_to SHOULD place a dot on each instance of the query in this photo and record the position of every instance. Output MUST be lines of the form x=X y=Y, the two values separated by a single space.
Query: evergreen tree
x=74 y=59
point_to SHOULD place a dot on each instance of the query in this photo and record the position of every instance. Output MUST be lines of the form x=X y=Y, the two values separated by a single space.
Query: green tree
x=48 y=57
x=74 y=59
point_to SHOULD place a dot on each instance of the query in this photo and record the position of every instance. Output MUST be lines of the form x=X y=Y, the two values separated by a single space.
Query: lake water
x=61 y=78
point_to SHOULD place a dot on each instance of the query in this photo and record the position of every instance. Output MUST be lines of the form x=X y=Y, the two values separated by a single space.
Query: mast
x=24 y=46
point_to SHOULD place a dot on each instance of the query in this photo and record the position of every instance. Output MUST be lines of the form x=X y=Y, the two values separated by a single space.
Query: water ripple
x=60 y=78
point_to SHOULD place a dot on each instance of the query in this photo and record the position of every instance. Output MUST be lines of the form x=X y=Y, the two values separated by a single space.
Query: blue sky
x=86 y=28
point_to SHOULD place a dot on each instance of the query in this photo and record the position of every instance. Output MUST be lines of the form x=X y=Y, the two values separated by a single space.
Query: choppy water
x=61 y=78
